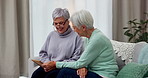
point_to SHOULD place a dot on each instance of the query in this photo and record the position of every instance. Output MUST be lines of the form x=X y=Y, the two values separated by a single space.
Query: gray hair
x=82 y=17
x=59 y=12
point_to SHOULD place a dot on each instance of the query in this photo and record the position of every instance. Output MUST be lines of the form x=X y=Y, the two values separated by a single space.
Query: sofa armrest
x=32 y=66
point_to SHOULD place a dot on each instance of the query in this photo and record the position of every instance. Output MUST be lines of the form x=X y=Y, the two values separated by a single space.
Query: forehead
x=59 y=19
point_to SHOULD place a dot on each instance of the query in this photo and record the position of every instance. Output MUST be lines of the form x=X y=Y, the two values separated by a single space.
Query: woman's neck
x=89 y=32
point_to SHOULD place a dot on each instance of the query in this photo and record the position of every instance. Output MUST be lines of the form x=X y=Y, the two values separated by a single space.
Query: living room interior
x=25 y=24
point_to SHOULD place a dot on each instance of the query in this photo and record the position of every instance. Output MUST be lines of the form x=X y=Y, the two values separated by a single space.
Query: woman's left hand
x=48 y=66
x=82 y=72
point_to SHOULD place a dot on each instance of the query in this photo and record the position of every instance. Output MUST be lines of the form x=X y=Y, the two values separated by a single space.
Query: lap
x=72 y=73
x=40 y=73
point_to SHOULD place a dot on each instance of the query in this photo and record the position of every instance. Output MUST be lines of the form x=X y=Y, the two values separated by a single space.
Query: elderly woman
x=62 y=45
x=98 y=56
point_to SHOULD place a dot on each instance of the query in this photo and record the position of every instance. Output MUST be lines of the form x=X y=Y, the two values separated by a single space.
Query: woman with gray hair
x=62 y=45
x=97 y=60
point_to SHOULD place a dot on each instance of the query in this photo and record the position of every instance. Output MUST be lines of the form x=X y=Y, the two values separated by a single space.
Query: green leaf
x=131 y=37
x=134 y=27
x=142 y=21
x=145 y=36
x=137 y=30
x=132 y=21
x=125 y=27
x=126 y=32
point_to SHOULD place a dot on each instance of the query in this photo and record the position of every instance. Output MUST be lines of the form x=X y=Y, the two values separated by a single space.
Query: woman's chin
x=61 y=32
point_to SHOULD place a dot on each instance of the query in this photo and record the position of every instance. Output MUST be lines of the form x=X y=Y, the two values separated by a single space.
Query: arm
x=92 y=50
x=43 y=53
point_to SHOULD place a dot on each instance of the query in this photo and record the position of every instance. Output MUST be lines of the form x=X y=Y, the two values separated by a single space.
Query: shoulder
x=99 y=38
x=52 y=33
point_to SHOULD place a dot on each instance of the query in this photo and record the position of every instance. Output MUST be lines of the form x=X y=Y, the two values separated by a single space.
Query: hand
x=82 y=72
x=48 y=66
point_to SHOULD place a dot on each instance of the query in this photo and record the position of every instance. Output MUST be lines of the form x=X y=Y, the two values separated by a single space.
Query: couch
x=125 y=53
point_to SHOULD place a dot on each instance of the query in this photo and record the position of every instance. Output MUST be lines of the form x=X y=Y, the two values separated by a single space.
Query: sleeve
x=78 y=50
x=43 y=53
x=92 y=50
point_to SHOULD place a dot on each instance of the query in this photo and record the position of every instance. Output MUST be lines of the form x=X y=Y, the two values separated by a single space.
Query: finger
x=82 y=76
x=50 y=69
x=77 y=72
x=43 y=65
x=46 y=70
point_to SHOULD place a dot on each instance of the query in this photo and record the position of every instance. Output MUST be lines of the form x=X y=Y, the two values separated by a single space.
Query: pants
x=72 y=73
x=40 y=73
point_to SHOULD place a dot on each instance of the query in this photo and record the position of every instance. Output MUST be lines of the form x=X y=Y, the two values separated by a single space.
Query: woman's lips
x=60 y=29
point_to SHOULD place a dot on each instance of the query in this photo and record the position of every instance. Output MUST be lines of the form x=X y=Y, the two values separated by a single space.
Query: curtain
x=125 y=10
x=41 y=20
x=14 y=38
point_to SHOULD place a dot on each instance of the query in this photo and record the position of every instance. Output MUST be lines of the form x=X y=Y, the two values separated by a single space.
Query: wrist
x=54 y=62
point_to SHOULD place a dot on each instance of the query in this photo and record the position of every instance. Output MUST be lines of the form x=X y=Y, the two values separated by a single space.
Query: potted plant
x=137 y=31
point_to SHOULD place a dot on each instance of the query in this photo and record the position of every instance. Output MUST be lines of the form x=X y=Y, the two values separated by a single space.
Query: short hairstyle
x=82 y=17
x=59 y=12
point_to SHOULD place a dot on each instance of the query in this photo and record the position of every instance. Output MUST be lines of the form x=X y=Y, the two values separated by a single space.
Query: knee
x=65 y=70
x=39 y=72
x=67 y=73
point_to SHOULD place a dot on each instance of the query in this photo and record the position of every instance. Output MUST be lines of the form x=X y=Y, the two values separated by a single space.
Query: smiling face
x=61 y=24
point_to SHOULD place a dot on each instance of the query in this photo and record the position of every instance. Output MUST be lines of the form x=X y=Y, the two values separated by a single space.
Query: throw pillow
x=143 y=57
x=146 y=75
x=133 y=70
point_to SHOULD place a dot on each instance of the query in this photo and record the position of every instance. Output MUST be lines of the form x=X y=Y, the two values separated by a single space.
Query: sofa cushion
x=146 y=75
x=133 y=70
x=120 y=62
x=143 y=57
x=137 y=51
x=123 y=51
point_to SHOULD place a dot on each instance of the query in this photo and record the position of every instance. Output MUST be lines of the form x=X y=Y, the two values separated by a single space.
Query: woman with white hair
x=98 y=56
x=62 y=45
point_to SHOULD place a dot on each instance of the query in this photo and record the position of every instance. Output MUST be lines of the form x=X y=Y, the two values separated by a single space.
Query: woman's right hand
x=82 y=72
x=48 y=66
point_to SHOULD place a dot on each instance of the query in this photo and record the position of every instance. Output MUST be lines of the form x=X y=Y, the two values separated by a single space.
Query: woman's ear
x=84 y=28
x=68 y=22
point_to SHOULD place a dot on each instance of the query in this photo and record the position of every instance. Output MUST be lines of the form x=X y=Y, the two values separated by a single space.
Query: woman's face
x=61 y=24
x=78 y=30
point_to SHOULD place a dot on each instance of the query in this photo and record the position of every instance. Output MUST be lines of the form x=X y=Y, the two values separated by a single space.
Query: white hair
x=59 y=12
x=82 y=17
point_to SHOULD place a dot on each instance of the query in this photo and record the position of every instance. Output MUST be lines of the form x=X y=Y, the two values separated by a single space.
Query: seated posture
x=98 y=56
x=62 y=45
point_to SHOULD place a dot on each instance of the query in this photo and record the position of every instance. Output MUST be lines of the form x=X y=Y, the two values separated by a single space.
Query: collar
x=66 y=32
